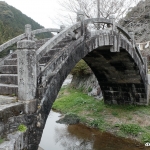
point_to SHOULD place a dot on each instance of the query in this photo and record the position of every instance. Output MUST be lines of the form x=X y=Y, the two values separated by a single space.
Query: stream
x=79 y=137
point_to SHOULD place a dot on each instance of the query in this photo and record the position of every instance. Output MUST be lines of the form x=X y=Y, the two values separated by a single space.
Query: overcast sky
x=42 y=11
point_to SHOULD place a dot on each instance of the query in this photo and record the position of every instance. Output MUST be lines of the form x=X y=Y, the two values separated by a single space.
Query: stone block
x=9 y=79
x=1 y=128
x=30 y=106
x=10 y=62
x=14 y=56
x=7 y=69
x=44 y=59
x=26 y=44
x=8 y=89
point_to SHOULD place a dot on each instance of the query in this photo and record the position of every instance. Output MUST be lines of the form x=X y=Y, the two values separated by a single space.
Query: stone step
x=52 y=52
x=10 y=89
x=7 y=69
x=132 y=72
x=10 y=61
x=41 y=42
x=14 y=56
x=45 y=59
x=9 y=79
x=60 y=45
x=66 y=39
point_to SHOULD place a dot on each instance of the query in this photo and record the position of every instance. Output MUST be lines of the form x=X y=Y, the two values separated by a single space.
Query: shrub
x=81 y=69
x=22 y=128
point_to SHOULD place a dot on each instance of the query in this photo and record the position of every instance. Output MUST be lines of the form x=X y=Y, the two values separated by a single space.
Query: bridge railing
x=25 y=36
x=77 y=29
x=56 y=39
x=121 y=30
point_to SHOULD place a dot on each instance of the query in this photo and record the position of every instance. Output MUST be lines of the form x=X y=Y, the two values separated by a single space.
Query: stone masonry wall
x=89 y=84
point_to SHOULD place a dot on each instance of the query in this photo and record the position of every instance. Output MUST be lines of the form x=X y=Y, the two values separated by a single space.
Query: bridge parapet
x=24 y=36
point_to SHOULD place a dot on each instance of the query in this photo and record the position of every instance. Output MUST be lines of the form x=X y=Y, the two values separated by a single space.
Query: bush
x=81 y=69
x=22 y=128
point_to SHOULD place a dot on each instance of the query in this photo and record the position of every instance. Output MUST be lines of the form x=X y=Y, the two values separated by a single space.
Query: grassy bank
x=125 y=121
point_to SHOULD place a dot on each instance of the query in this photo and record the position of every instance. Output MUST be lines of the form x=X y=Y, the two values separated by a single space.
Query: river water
x=79 y=137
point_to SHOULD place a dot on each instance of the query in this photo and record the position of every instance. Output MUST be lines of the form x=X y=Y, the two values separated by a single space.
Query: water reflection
x=103 y=140
x=79 y=137
x=71 y=141
x=49 y=134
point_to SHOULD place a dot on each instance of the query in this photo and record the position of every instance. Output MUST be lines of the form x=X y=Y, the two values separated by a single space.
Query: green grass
x=146 y=137
x=114 y=113
x=22 y=128
x=132 y=129
x=76 y=102
x=96 y=114
x=1 y=140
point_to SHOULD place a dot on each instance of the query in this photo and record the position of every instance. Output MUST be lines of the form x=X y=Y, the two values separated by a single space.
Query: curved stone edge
x=11 y=42
x=55 y=64
x=45 y=30
x=53 y=41
x=22 y=36
x=108 y=21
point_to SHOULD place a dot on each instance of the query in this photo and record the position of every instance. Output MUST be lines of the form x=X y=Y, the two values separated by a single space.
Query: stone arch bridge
x=37 y=69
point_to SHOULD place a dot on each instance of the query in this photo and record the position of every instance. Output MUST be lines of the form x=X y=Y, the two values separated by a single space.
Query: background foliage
x=81 y=69
x=12 y=24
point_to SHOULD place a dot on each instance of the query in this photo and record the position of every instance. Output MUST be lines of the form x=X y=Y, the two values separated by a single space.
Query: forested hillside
x=12 y=22
x=138 y=21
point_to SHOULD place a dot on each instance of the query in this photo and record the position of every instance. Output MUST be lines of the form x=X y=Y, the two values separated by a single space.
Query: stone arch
x=80 y=49
x=90 y=49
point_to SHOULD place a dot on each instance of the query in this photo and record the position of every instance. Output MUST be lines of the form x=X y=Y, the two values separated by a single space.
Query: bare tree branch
x=90 y=9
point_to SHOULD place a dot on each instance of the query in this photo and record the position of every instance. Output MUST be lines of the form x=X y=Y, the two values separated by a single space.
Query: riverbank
x=123 y=121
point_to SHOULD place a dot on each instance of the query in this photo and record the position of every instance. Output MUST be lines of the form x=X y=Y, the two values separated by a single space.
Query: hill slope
x=12 y=22
x=138 y=20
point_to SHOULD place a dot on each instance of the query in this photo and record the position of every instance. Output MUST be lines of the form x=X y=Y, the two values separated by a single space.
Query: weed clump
x=22 y=128
x=132 y=129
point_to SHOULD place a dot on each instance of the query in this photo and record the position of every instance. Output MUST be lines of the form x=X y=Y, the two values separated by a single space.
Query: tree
x=94 y=9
